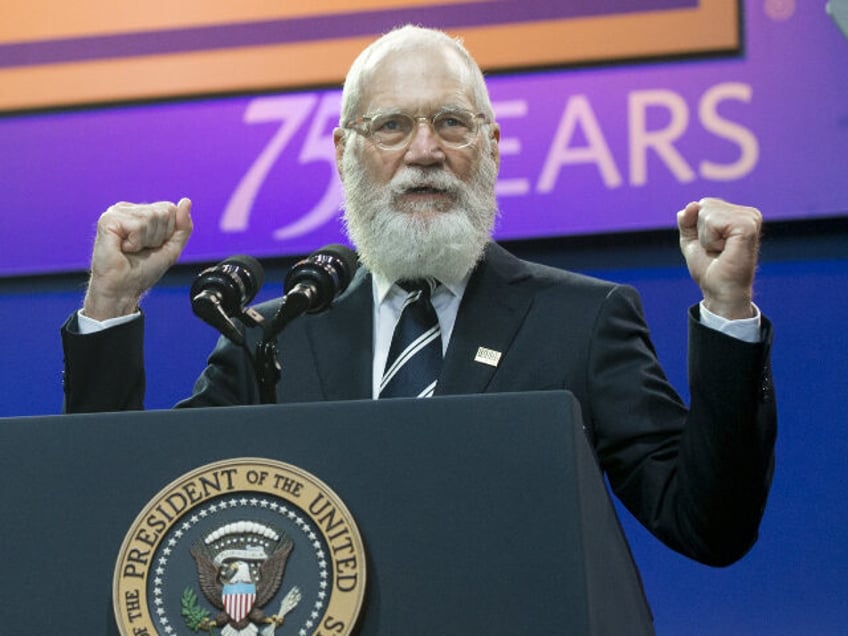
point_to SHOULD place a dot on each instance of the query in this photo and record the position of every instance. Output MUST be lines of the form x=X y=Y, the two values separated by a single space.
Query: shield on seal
x=238 y=599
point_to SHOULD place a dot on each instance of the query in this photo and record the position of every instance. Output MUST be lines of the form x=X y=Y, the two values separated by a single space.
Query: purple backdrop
x=584 y=151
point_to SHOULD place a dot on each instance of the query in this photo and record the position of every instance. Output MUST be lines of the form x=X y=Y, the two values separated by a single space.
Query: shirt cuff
x=745 y=329
x=88 y=325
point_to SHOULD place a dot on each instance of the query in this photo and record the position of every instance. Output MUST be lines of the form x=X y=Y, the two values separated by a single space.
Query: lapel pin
x=488 y=356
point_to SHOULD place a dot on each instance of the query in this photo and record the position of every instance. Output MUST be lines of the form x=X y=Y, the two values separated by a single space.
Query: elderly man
x=417 y=151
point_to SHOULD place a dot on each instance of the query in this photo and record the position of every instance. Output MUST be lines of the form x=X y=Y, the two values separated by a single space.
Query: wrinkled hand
x=135 y=245
x=720 y=242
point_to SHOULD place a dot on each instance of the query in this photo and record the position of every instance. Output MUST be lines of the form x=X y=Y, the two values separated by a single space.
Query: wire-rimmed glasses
x=393 y=130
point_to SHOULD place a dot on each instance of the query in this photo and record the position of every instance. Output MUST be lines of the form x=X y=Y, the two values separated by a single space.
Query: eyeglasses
x=456 y=128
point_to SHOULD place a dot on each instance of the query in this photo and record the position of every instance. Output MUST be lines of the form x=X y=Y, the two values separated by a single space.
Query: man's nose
x=425 y=147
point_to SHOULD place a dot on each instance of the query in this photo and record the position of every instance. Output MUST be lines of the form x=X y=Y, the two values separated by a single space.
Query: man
x=417 y=151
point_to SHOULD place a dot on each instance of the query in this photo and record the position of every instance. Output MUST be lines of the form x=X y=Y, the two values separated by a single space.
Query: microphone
x=314 y=282
x=322 y=275
x=221 y=292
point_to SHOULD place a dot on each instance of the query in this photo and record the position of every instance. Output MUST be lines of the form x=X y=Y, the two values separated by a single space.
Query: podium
x=479 y=514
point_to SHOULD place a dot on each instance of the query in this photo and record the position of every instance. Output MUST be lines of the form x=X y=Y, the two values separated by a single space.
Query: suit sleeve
x=227 y=380
x=104 y=371
x=697 y=478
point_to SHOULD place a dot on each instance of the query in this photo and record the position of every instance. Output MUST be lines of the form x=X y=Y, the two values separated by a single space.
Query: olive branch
x=196 y=617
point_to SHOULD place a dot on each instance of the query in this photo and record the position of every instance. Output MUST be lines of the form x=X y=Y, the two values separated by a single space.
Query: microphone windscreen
x=234 y=282
x=347 y=260
x=250 y=271
x=326 y=273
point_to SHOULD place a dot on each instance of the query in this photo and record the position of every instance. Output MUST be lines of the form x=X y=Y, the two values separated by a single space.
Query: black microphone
x=322 y=275
x=221 y=292
x=314 y=282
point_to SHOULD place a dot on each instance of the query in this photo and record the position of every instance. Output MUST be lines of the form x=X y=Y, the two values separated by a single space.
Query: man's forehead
x=415 y=78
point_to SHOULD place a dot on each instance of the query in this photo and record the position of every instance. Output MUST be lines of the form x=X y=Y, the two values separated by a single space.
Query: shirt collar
x=382 y=287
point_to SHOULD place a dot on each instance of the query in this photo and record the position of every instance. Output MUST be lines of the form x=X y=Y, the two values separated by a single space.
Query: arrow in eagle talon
x=288 y=603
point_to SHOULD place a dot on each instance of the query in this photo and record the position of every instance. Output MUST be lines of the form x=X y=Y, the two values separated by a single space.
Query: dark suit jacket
x=697 y=478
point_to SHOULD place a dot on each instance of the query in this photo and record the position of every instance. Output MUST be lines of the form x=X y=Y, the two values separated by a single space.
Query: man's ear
x=339 y=139
x=495 y=134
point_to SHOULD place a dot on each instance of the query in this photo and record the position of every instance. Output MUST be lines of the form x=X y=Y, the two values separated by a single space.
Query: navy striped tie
x=415 y=356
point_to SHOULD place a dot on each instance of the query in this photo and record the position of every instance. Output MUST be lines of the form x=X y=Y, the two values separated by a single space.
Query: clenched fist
x=720 y=242
x=135 y=245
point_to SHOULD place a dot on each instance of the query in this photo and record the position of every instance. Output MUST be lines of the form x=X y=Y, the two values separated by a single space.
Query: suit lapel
x=341 y=342
x=492 y=310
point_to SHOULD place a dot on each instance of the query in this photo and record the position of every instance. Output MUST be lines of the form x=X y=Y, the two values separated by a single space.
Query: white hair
x=400 y=39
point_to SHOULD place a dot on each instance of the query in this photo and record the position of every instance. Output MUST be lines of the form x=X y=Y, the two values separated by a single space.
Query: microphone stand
x=267 y=363
x=310 y=286
x=268 y=370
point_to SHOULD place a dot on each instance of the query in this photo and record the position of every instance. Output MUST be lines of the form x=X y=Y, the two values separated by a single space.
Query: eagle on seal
x=240 y=613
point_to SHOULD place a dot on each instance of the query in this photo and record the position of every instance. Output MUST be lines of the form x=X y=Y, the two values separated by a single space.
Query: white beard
x=444 y=241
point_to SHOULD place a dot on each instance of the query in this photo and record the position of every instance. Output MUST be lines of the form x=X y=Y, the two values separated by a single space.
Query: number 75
x=291 y=111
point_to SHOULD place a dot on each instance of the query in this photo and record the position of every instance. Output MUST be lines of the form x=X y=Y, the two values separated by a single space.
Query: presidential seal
x=241 y=547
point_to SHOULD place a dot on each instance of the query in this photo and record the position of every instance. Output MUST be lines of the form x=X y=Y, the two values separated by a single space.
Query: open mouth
x=424 y=190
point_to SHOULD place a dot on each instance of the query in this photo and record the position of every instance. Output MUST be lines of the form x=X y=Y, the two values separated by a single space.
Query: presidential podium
x=478 y=514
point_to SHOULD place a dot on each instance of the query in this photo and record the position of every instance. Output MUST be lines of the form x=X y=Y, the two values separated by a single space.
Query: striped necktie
x=415 y=356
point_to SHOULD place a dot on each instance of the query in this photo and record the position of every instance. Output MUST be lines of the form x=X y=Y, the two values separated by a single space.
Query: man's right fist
x=134 y=247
